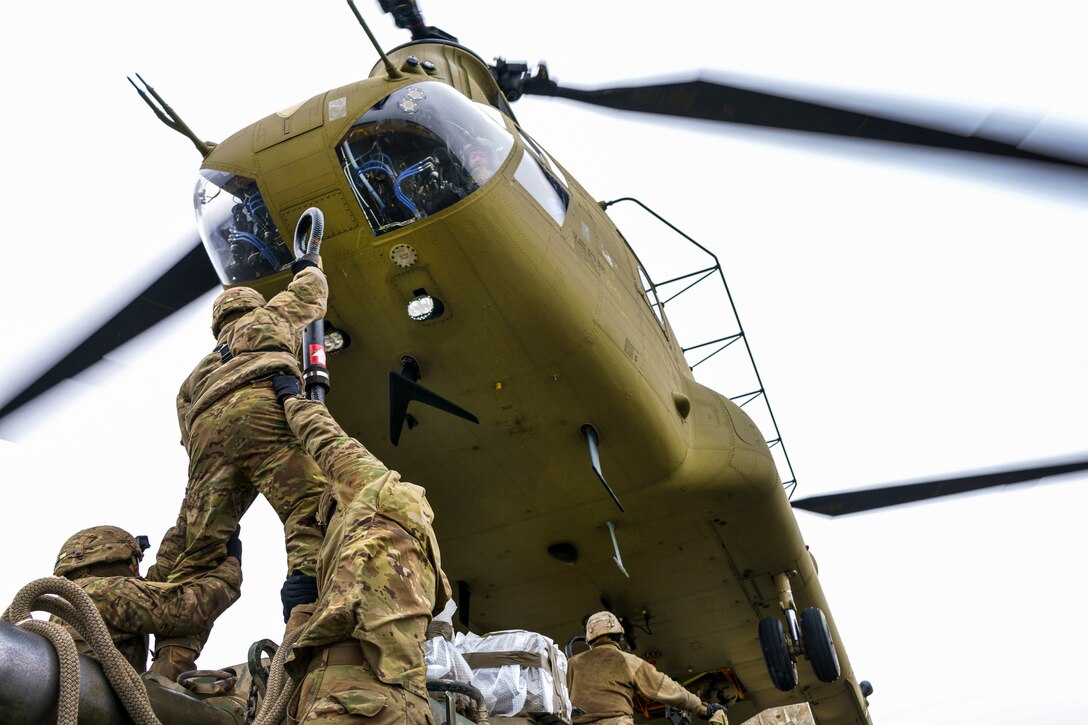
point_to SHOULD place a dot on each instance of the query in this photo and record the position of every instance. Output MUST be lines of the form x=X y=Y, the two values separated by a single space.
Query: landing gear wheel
x=776 y=653
x=819 y=649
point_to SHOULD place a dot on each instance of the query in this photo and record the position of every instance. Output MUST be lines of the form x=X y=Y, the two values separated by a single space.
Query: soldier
x=104 y=561
x=480 y=160
x=380 y=578
x=603 y=681
x=236 y=436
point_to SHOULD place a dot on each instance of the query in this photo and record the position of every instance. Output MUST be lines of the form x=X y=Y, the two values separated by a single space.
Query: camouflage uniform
x=603 y=681
x=132 y=607
x=237 y=439
x=381 y=581
x=173 y=654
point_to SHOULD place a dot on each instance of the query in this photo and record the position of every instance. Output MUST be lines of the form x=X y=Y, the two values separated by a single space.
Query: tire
x=776 y=654
x=819 y=648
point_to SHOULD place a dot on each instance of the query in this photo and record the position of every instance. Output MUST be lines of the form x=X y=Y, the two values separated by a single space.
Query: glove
x=234 y=544
x=712 y=708
x=297 y=589
x=287 y=386
x=306 y=260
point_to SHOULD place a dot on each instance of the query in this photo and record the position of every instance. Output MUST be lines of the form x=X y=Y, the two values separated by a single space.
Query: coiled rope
x=63 y=598
x=281 y=686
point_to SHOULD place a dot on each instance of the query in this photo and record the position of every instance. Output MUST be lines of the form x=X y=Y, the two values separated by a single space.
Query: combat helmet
x=233 y=301
x=96 y=545
x=601 y=624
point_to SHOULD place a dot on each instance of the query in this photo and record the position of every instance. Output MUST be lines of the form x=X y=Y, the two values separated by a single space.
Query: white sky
x=912 y=313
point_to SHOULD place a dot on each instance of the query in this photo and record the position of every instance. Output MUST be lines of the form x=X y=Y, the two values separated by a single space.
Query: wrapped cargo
x=444 y=661
x=518 y=672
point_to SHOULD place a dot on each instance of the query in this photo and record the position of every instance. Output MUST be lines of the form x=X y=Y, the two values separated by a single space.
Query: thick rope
x=63 y=598
x=68 y=656
x=281 y=686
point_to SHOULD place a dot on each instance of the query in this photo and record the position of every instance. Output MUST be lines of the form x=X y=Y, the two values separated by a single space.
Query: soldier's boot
x=300 y=615
x=171 y=660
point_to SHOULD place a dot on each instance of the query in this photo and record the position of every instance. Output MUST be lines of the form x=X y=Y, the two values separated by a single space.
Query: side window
x=237 y=229
x=419 y=150
x=543 y=187
x=544 y=159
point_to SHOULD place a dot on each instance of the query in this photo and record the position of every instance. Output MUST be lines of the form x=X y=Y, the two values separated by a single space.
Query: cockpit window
x=543 y=187
x=419 y=150
x=543 y=157
x=236 y=228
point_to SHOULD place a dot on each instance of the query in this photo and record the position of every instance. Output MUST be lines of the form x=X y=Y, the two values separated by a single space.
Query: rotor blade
x=188 y=279
x=850 y=502
x=713 y=101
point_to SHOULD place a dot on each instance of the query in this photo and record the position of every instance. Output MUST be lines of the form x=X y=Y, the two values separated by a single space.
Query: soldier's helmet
x=233 y=301
x=601 y=624
x=96 y=545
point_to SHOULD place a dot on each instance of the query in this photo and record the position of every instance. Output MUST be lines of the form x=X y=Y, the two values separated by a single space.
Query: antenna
x=169 y=117
x=390 y=69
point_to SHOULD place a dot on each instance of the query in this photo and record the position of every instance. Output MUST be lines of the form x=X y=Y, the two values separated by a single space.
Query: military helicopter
x=430 y=373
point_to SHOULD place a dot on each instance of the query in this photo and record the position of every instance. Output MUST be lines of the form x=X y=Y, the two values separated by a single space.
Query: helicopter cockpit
x=414 y=153
x=419 y=150
x=239 y=235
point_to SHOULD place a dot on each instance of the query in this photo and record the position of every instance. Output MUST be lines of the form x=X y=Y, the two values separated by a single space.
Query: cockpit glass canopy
x=419 y=150
x=236 y=228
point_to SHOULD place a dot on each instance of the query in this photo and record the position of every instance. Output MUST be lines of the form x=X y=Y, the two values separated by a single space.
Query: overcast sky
x=913 y=313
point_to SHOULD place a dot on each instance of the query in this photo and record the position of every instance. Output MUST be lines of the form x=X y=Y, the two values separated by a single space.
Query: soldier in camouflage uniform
x=173 y=654
x=104 y=561
x=236 y=436
x=380 y=579
x=603 y=681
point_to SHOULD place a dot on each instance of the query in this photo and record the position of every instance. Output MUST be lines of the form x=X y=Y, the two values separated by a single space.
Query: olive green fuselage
x=546 y=329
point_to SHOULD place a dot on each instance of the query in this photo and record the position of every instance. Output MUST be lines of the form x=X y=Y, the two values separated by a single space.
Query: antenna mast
x=169 y=117
x=390 y=69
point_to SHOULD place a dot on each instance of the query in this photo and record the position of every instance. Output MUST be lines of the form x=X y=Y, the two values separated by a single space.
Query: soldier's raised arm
x=129 y=604
x=304 y=300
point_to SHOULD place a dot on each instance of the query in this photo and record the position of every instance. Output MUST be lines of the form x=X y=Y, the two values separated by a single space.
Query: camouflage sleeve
x=654 y=685
x=131 y=604
x=442 y=591
x=304 y=300
x=183 y=402
x=173 y=543
x=340 y=456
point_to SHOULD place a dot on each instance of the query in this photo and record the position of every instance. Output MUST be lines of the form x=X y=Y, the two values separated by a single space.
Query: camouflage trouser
x=240 y=446
x=351 y=694
x=168 y=551
x=173 y=659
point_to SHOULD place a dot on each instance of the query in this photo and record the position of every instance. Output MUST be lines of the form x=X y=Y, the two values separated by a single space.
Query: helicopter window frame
x=649 y=294
x=237 y=229
x=549 y=195
x=495 y=115
x=543 y=157
x=420 y=150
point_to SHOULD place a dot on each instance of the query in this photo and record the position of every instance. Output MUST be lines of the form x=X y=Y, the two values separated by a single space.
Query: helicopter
x=422 y=428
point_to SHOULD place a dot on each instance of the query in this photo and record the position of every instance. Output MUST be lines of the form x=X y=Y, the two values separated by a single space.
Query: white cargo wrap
x=518 y=672
x=444 y=662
